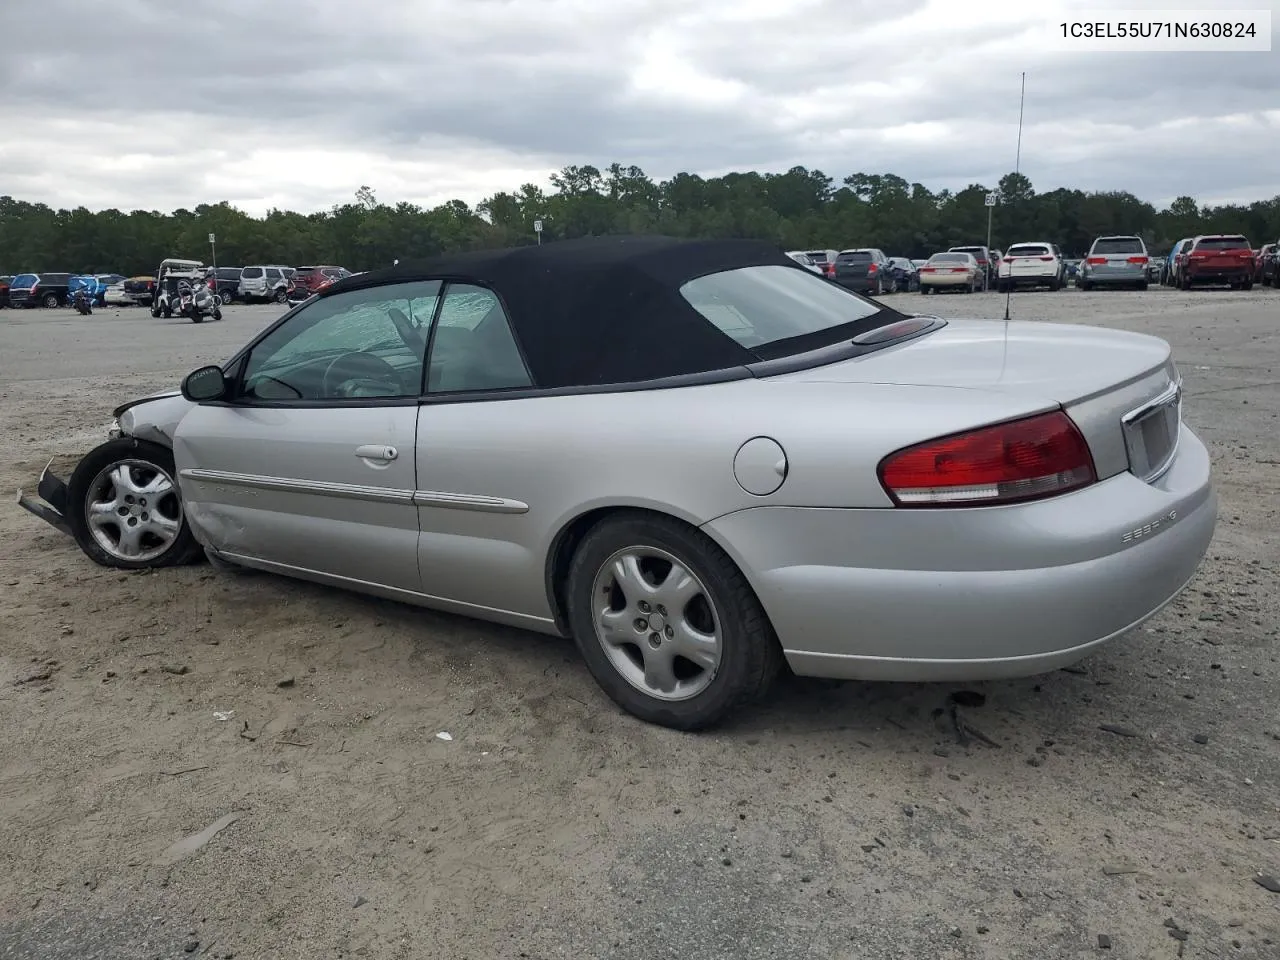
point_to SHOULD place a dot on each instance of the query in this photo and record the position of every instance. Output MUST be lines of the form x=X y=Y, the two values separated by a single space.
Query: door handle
x=375 y=451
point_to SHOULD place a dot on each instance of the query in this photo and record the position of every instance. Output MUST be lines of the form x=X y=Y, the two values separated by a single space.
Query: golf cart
x=168 y=276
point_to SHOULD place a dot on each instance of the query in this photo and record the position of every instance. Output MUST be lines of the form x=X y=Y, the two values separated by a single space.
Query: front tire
x=124 y=508
x=282 y=297
x=667 y=624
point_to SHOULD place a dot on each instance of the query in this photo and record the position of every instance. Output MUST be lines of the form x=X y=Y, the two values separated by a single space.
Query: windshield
x=1223 y=243
x=1113 y=245
x=766 y=305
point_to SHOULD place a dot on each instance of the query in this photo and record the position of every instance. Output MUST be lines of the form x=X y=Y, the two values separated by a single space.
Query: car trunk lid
x=1104 y=379
x=1218 y=254
x=1029 y=261
x=855 y=266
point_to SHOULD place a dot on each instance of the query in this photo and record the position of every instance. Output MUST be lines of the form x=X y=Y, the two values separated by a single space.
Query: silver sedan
x=699 y=460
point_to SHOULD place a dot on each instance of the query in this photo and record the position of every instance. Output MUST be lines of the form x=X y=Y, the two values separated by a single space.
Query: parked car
x=141 y=288
x=224 y=282
x=865 y=270
x=906 y=275
x=1173 y=274
x=985 y=260
x=4 y=291
x=1114 y=262
x=960 y=491
x=1037 y=264
x=952 y=271
x=824 y=259
x=39 y=289
x=264 y=283
x=1265 y=272
x=1221 y=258
x=311 y=280
x=805 y=261
x=117 y=296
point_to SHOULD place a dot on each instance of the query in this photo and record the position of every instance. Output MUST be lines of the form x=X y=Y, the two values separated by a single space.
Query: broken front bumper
x=53 y=491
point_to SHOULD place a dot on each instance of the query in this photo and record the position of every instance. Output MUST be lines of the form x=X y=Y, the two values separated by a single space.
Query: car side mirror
x=206 y=384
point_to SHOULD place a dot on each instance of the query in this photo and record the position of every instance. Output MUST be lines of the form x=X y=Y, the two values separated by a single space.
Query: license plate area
x=1151 y=434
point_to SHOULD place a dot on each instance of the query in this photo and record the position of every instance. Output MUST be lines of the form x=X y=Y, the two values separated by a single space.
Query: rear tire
x=740 y=658
x=114 y=472
x=50 y=301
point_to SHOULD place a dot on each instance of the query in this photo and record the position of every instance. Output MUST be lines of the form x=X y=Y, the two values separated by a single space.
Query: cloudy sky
x=296 y=103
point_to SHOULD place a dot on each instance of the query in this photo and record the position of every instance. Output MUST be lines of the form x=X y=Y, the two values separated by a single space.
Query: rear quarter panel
x=671 y=451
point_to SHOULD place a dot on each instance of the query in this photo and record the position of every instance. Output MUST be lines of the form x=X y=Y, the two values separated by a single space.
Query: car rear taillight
x=1007 y=259
x=1096 y=260
x=1019 y=460
x=871 y=268
x=1047 y=259
x=1137 y=260
x=928 y=269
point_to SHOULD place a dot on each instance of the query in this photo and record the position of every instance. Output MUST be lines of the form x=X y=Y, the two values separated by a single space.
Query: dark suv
x=39 y=289
x=227 y=282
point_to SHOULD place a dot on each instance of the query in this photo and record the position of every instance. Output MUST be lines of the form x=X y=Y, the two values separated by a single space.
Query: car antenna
x=1017 y=167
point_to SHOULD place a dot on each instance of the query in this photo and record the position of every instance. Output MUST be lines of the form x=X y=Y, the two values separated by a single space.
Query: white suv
x=1032 y=265
x=268 y=282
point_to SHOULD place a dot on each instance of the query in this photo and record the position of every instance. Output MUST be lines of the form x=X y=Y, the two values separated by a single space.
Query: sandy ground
x=838 y=821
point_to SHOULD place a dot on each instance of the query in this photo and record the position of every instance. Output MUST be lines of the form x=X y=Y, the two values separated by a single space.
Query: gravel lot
x=839 y=821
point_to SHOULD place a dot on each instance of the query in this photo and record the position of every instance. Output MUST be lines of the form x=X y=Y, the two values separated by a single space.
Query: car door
x=307 y=467
x=478 y=536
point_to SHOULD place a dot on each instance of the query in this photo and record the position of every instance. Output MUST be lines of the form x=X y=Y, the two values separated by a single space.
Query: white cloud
x=428 y=100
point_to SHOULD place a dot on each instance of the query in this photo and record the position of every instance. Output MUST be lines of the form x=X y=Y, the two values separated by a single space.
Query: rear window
x=251 y=273
x=758 y=306
x=949 y=258
x=1112 y=245
x=854 y=256
x=47 y=278
x=334 y=272
x=976 y=251
x=1028 y=250
x=24 y=281
x=227 y=273
x=1223 y=243
x=273 y=274
x=817 y=256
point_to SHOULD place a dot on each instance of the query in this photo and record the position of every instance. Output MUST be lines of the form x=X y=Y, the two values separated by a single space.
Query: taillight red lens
x=1020 y=460
x=1137 y=259
x=1047 y=259
x=1096 y=260
x=871 y=268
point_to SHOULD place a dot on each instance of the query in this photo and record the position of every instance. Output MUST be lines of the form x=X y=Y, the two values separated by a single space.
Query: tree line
x=798 y=209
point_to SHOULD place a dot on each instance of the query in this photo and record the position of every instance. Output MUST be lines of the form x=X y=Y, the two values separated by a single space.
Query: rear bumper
x=1218 y=274
x=1101 y=278
x=858 y=284
x=53 y=492
x=944 y=280
x=978 y=593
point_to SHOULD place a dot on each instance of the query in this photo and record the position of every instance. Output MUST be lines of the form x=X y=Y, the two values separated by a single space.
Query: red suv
x=1221 y=258
x=309 y=280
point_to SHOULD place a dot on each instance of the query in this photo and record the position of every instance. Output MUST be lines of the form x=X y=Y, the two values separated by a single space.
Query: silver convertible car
x=700 y=460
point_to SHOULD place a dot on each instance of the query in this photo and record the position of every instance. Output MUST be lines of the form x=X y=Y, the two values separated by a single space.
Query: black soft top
x=601 y=310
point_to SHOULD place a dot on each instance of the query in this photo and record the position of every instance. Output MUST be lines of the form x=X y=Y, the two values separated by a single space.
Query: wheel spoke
x=157 y=486
x=696 y=646
x=103 y=508
x=658 y=668
x=615 y=626
x=129 y=544
x=677 y=589
x=122 y=479
x=630 y=578
x=162 y=527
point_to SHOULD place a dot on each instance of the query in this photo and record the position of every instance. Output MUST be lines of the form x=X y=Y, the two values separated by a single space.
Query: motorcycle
x=83 y=302
x=196 y=302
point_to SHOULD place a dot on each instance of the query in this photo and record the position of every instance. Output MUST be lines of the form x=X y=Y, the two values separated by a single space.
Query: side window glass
x=472 y=347
x=364 y=344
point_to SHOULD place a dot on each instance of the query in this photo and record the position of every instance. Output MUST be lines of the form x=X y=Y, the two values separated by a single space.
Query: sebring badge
x=1149 y=528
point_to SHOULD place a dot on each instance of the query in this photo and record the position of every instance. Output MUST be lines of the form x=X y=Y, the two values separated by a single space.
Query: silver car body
x=257 y=281
x=462 y=506
x=1115 y=260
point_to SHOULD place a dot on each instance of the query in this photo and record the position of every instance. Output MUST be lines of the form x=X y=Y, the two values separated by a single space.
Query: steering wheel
x=343 y=370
